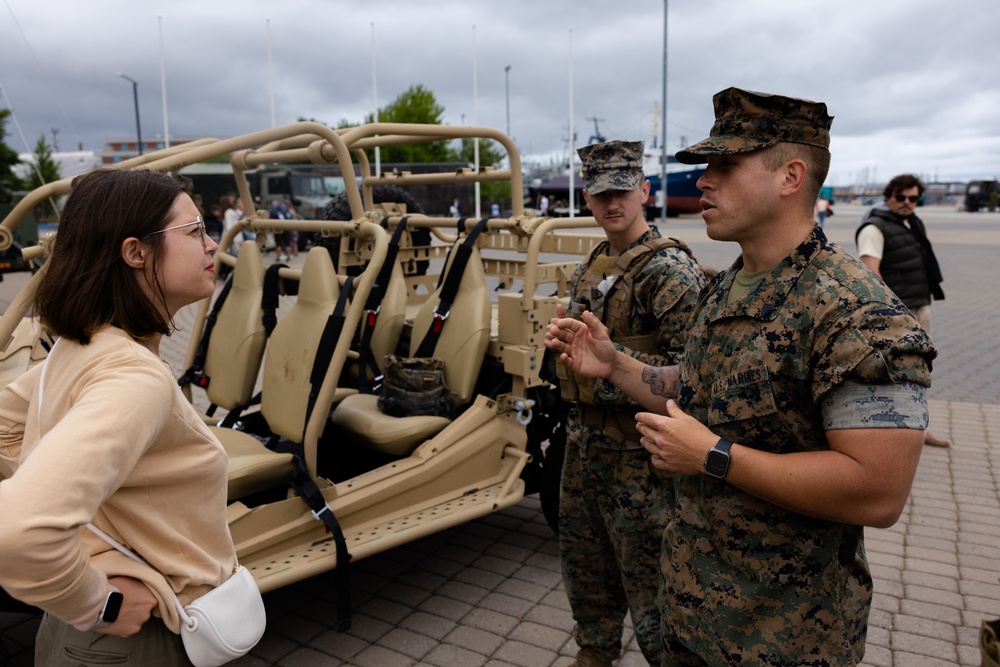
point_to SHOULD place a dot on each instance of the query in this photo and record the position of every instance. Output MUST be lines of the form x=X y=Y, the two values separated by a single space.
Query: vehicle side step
x=281 y=569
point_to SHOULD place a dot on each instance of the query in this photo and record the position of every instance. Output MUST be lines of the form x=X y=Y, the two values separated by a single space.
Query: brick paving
x=489 y=593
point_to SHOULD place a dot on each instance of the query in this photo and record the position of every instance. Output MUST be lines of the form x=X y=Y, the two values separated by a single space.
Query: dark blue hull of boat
x=683 y=196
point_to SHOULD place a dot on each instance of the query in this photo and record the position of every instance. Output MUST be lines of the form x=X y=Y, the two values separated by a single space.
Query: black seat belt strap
x=306 y=487
x=449 y=289
x=327 y=344
x=269 y=298
x=372 y=307
x=194 y=375
x=233 y=416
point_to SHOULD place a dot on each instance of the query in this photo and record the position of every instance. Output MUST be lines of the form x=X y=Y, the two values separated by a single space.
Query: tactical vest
x=606 y=287
x=903 y=266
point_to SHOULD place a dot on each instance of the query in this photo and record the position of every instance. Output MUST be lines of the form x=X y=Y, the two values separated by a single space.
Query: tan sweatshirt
x=115 y=442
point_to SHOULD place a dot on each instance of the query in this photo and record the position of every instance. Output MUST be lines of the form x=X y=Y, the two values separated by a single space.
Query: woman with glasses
x=100 y=433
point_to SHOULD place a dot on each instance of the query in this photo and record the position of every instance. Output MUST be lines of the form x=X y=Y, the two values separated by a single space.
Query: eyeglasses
x=913 y=199
x=202 y=232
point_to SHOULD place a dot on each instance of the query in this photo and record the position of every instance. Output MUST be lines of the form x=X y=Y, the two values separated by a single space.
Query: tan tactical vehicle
x=307 y=343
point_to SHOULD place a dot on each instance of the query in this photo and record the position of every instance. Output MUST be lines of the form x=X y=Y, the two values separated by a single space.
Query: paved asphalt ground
x=490 y=592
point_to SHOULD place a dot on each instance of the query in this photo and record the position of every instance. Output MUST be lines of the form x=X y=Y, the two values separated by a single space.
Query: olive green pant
x=61 y=645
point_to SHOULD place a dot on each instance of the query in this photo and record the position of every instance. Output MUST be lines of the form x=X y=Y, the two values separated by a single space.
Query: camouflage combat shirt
x=747 y=581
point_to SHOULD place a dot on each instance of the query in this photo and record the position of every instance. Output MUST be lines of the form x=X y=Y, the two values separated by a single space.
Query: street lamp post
x=135 y=97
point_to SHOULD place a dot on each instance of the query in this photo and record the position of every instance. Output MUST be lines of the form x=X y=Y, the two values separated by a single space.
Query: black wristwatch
x=717 y=461
x=112 y=605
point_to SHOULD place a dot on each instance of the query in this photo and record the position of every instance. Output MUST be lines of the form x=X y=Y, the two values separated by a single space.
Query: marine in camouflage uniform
x=816 y=344
x=613 y=505
x=747 y=582
x=790 y=364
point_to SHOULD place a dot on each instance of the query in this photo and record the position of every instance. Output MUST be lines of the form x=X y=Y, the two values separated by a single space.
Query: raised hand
x=582 y=345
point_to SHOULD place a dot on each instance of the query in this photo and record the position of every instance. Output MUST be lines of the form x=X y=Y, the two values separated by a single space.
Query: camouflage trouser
x=675 y=654
x=612 y=511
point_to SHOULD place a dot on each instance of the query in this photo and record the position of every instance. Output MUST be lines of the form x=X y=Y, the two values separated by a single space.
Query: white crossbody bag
x=221 y=625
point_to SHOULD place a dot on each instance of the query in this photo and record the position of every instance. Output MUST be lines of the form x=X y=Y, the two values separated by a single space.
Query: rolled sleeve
x=853 y=405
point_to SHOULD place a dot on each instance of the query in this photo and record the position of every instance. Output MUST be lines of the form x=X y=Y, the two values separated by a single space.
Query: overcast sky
x=914 y=85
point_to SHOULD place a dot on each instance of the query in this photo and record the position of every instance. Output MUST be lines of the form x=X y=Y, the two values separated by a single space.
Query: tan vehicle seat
x=288 y=362
x=232 y=364
x=388 y=327
x=24 y=350
x=236 y=346
x=291 y=350
x=462 y=345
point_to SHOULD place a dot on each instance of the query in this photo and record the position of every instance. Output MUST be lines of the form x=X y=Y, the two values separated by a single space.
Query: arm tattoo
x=663 y=381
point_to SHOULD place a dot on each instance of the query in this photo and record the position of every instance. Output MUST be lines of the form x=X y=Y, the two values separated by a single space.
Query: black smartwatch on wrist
x=717 y=461
x=112 y=605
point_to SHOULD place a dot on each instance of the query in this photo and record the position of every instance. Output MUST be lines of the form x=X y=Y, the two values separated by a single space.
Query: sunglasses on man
x=913 y=199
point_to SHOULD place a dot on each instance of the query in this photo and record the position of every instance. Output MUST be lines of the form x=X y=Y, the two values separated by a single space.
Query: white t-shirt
x=871 y=241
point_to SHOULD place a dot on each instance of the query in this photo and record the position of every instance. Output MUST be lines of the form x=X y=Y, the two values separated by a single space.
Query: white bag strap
x=41 y=381
x=188 y=621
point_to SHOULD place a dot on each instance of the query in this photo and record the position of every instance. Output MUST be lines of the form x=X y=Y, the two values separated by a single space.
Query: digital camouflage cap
x=746 y=121
x=613 y=165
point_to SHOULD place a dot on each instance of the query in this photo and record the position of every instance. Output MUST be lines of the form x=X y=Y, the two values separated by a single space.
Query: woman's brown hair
x=88 y=285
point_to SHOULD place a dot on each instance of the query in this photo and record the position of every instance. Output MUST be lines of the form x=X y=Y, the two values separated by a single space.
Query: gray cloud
x=913 y=84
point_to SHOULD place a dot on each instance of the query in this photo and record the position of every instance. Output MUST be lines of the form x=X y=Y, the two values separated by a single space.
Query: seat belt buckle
x=319 y=515
x=372 y=316
x=439 y=320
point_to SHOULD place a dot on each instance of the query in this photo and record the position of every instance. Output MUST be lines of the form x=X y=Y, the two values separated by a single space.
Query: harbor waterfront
x=489 y=593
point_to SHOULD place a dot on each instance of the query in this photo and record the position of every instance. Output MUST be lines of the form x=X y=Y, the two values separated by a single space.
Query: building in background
x=117 y=149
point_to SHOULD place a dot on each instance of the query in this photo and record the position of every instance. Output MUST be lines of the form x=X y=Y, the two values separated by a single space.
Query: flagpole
x=572 y=170
x=378 y=156
x=475 y=119
x=270 y=73
x=163 y=87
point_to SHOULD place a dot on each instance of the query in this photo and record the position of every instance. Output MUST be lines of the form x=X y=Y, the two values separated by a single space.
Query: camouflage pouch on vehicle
x=415 y=386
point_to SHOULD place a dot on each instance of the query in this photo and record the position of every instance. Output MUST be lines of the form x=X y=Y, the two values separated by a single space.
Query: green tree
x=490 y=153
x=416 y=104
x=45 y=170
x=8 y=158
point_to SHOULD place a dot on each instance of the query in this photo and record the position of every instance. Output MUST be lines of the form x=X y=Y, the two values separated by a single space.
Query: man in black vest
x=893 y=243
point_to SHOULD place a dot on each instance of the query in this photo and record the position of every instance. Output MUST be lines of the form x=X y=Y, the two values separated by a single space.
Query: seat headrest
x=319 y=279
x=249 y=271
